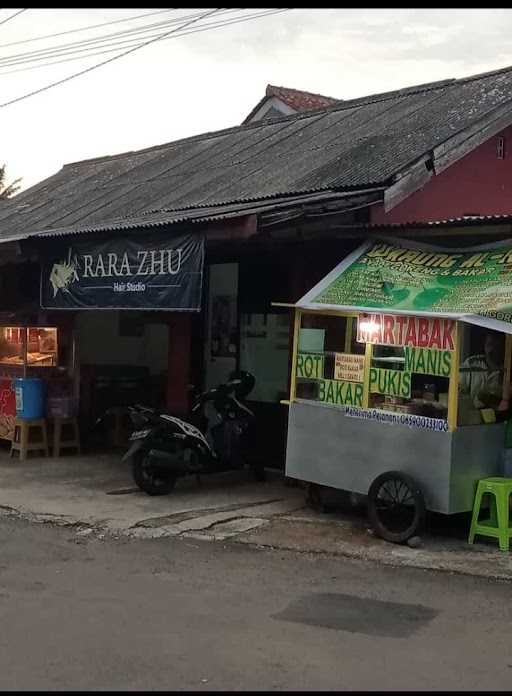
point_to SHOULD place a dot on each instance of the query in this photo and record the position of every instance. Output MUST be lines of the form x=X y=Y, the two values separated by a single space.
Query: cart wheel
x=396 y=507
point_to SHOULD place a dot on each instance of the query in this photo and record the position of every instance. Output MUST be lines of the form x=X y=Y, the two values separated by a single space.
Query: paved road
x=87 y=613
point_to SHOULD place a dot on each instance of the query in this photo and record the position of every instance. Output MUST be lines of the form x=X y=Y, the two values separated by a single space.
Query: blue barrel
x=29 y=397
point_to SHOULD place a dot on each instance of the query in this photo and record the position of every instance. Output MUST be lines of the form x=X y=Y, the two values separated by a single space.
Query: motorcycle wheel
x=150 y=479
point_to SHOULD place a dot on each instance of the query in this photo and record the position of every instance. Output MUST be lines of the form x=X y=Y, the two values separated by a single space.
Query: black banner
x=156 y=271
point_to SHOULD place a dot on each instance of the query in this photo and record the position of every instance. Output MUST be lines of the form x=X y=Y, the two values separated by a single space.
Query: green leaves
x=7 y=190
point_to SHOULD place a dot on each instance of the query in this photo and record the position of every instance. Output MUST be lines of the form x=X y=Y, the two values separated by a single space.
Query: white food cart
x=397 y=392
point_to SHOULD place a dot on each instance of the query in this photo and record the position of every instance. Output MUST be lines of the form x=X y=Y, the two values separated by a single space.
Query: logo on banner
x=63 y=273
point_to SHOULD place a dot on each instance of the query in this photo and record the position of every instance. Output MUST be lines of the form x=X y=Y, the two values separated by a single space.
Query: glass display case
x=31 y=346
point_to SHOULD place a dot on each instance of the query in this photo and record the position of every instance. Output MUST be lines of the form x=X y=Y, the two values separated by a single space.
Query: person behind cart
x=481 y=375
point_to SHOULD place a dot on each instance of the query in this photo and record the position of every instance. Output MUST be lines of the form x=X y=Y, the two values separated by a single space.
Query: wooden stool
x=63 y=440
x=23 y=430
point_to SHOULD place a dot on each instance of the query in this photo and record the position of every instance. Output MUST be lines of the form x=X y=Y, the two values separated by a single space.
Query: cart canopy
x=473 y=284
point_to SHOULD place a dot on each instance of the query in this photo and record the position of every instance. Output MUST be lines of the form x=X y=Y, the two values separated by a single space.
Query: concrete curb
x=249 y=530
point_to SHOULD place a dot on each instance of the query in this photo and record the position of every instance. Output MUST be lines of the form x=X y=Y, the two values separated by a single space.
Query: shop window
x=11 y=345
x=410 y=380
x=411 y=363
x=330 y=362
x=42 y=346
x=481 y=375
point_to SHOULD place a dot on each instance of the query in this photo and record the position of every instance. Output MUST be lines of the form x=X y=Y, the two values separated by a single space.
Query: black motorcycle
x=165 y=447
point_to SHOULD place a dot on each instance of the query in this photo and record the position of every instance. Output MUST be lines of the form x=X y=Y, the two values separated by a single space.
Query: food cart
x=392 y=395
x=44 y=352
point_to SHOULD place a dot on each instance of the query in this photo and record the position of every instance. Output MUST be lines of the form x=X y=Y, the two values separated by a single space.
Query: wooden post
x=295 y=350
x=368 y=354
x=453 y=389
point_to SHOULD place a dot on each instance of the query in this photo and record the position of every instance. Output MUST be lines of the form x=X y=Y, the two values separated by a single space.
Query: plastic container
x=30 y=401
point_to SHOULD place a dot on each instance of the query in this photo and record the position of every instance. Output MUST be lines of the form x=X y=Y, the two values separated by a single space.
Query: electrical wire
x=83 y=42
x=132 y=41
x=104 y=62
x=4 y=21
x=14 y=59
x=213 y=25
x=86 y=28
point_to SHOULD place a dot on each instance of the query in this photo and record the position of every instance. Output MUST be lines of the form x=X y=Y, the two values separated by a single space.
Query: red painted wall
x=478 y=184
x=178 y=375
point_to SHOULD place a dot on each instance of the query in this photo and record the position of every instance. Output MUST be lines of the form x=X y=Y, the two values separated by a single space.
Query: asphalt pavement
x=84 y=612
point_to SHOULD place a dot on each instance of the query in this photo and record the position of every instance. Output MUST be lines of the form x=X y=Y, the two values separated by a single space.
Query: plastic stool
x=21 y=442
x=60 y=425
x=497 y=525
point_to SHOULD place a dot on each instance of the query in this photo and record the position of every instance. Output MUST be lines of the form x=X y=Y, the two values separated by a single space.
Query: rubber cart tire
x=396 y=507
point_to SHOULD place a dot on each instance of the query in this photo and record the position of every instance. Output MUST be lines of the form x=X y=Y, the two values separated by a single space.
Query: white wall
x=101 y=344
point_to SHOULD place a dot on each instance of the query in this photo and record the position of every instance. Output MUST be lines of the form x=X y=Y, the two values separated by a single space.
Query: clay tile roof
x=298 y=99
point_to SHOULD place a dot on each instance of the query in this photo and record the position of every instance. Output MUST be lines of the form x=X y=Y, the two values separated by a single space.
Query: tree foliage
x=7 y=190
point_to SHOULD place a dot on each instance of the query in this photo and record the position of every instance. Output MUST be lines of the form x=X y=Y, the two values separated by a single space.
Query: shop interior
x=484 y=368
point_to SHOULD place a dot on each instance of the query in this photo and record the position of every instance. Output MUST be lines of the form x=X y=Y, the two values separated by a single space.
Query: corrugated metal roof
x=156 y=218
x=350 y=146
x=448 y=222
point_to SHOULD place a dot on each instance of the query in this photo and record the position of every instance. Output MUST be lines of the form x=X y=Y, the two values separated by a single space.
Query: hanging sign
x=404 y=330
x=348 y=367
x=471 y=284
x=154 y=271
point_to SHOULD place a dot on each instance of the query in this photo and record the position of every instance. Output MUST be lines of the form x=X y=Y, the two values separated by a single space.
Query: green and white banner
x=472 y=284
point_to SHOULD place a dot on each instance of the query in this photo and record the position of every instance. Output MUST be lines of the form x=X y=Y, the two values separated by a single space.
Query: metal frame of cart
x=348 y=447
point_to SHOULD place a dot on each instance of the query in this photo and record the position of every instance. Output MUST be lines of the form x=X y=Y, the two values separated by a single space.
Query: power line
x=52 y=51
x=13 y=15
x=91 y=26
x=212 y=25
x=109 y=60
x=119 y=43
x=93 y=39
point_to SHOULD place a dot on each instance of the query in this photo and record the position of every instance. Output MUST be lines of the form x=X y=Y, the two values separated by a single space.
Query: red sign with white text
x=406 y=330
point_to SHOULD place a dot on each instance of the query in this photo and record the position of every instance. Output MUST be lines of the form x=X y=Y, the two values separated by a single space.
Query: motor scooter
x=164 y=447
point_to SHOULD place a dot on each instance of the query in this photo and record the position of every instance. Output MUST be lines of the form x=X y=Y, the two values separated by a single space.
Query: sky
x=204 y=81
